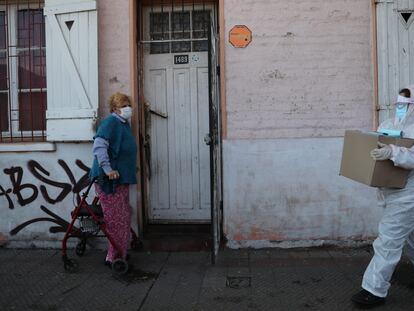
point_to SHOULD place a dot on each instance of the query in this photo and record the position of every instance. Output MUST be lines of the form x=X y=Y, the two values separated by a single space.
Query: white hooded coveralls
x=396 y=228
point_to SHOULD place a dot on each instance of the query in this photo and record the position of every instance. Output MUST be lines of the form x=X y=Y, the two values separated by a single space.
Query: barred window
x=178 y=26
x=22 y=71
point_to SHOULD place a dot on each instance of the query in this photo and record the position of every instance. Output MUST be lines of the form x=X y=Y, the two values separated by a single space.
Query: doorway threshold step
x=175 y=238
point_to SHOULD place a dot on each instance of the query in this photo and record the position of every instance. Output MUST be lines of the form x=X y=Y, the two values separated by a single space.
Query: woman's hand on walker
x=113 y=175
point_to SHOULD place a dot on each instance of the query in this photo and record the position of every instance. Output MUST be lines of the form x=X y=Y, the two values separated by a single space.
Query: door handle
x=159 y=114
x=207 y=139
x=156 y=112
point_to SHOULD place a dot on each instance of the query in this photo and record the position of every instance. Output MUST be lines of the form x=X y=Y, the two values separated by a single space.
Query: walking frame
x=91 y=222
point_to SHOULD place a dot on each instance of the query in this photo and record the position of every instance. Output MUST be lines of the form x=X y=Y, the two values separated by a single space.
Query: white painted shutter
x=72 y=69
x=395 y=38
x=405 y=5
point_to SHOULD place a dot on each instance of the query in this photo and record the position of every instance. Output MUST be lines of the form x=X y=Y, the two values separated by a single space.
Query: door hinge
x=218 y=70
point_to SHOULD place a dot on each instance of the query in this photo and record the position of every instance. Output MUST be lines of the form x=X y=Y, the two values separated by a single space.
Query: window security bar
x=172 y=40
x=23 y=92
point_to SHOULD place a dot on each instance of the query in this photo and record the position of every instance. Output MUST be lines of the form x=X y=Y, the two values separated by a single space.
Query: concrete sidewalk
x=305 y=279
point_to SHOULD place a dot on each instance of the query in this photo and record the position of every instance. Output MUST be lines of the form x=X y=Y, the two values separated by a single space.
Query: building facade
x=245 y=137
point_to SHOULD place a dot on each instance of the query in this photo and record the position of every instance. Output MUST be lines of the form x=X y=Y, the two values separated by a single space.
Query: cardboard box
x=358 y=165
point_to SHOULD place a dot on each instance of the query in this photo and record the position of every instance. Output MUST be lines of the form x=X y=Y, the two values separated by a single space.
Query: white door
x=395 y=46
x=176 y=86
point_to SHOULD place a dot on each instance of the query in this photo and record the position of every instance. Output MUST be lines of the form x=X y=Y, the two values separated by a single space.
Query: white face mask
x=126 y=112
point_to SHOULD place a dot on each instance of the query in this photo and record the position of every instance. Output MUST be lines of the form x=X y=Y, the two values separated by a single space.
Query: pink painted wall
x=113 y=41
x=307 y=72
x=304 y=79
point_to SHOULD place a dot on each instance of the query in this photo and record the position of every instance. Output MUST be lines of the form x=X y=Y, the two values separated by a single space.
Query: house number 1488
x=180 y=59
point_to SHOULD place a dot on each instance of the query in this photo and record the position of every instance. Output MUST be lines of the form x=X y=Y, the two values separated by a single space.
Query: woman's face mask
x=126 y=112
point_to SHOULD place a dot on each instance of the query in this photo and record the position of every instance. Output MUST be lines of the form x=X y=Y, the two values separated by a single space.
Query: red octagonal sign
x=240 y=36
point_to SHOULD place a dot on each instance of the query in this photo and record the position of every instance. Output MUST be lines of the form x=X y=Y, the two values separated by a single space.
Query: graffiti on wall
x=26 y=193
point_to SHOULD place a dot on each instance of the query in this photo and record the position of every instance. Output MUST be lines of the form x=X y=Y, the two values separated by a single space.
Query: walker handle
x=85 y=194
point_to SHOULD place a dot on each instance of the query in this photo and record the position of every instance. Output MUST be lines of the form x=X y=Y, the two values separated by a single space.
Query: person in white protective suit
x=396 y=228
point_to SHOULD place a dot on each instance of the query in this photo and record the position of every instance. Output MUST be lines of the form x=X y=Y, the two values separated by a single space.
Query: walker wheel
x=120 y=266
x=80 y=248
x=71 y=265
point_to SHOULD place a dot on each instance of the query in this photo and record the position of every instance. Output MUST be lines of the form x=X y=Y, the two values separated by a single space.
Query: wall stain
x=289 y=35
x=114 y=80
x=272 y=75
x=338 y=14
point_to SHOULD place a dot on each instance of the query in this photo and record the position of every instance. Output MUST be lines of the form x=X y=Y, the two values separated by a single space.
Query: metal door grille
x=22 y=71
x=177 y=26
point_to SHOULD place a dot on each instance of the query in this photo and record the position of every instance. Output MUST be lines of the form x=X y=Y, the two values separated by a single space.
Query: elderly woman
x=115 y=152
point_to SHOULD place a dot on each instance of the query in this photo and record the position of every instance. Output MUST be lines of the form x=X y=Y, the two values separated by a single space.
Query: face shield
x=401 y=107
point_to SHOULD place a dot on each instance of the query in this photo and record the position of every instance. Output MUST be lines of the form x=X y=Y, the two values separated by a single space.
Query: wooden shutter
x=72 y=69
x=395 y=38
x=403 y=5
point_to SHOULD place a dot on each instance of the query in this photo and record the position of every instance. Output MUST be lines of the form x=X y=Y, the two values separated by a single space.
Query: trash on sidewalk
x=358 y=165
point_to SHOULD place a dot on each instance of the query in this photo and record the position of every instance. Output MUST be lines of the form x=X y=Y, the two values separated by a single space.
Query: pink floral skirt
x=117 y=216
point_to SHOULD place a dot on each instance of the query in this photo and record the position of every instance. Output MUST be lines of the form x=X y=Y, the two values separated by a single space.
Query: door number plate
x=180 y=59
